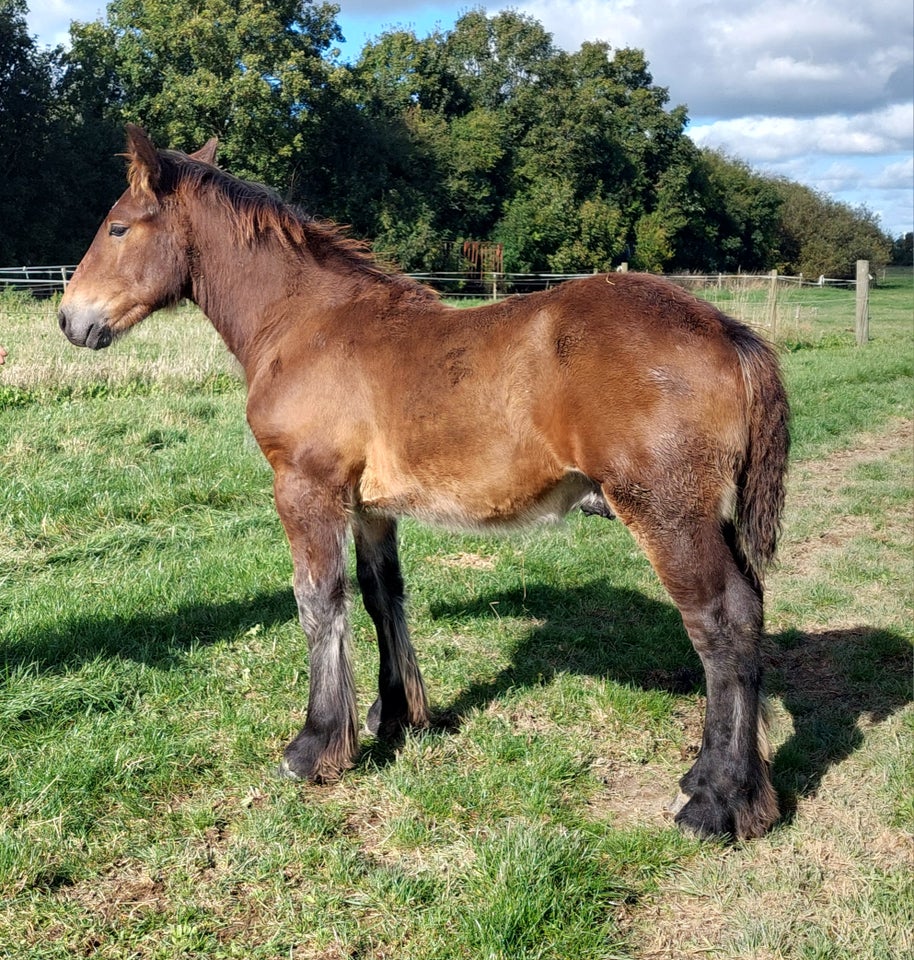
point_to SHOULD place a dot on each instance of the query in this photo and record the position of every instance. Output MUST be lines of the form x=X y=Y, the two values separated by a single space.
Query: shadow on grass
x=159 y=640
x=830 y=682
x=833 y=683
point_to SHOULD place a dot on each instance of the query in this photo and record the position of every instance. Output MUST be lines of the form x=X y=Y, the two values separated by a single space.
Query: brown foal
x=372 y=400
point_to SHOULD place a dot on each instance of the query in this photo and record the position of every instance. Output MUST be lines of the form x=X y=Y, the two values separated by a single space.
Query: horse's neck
x=240 y=288
x=226 y=290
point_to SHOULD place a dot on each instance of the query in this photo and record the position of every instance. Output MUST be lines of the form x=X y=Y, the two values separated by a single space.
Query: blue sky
x=821 y=91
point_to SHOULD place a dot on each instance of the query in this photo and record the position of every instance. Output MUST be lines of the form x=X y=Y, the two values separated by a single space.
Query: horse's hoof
x=285 y=772
x=373 y=720
x=705 y=818
x=676 y=804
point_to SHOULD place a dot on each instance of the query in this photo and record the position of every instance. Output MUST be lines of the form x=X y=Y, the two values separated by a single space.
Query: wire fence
x=783 y=307
x=45 y=281
x=493 y=286
x=41 y=282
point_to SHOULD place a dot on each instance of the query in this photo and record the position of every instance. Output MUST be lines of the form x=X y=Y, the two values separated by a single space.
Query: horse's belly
x=479 y=500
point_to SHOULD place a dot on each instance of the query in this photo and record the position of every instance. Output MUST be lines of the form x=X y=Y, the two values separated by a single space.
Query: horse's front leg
x=401 y=698
x=315 y=520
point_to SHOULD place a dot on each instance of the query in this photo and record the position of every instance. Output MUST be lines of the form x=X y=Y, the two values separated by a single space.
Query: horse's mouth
x=98 y=337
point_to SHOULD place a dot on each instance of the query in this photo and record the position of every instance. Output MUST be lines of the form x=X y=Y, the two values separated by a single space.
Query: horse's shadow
x=160 y=640
x=831 y=682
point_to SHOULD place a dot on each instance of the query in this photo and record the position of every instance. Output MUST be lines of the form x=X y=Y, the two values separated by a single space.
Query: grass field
x=152 y=667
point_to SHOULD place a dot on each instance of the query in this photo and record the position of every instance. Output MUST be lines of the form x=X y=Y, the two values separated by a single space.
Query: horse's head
x=140 y=258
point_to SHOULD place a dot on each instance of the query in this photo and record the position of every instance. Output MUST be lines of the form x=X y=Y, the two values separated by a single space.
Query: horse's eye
x=117 y=229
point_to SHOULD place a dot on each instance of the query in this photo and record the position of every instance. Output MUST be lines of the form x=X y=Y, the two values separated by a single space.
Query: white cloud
x=761 y=139
x=759 y=56
x=774 y=69
x=896 y=176
x=841 y=178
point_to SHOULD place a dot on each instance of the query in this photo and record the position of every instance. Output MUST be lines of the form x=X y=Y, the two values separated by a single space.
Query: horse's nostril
x=62 y=320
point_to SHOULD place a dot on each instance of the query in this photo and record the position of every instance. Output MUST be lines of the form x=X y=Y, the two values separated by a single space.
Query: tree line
x=483 y=132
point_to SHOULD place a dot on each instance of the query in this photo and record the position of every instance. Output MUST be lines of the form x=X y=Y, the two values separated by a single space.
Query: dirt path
x=815 y=482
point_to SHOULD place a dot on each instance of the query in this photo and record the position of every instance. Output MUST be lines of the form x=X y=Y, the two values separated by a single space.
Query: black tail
x=761 y=484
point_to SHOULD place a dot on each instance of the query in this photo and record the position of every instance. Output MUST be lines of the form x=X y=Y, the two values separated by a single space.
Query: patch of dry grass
x=173 y=345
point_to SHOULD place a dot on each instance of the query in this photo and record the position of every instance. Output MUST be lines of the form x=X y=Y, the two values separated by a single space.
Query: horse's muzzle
x=92 y=333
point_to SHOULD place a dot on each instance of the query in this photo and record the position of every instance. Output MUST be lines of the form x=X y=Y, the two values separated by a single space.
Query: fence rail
x=773 y=303
x=49 y=280
x=39 y=281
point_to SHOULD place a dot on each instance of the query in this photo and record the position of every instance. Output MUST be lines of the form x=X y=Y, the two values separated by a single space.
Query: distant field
x=152 y=667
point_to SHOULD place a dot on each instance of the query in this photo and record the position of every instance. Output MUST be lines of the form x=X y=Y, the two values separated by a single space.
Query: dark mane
x=257 y=211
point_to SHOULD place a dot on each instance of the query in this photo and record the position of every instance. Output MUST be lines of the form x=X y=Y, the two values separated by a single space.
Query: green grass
x=151 y=669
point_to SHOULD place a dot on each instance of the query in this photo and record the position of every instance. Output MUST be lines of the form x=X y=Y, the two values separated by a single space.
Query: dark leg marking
x=401 y=698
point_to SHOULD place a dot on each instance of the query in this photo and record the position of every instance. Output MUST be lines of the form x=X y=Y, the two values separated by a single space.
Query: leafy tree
x=601 y=139
x=903 y=250
x=597 y=241
x=535 y=224
x=398 y=71
x=474 y=164
x=25 y=128
x=436 y=120
x=821 y=237
x=574 y=161
x=247 y=71
x=378 y=167
x=738 y=223
x=653 y=246
x=499 y=59
x=55 y=180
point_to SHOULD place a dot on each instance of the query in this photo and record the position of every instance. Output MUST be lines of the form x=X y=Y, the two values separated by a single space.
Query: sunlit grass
x=152 y=667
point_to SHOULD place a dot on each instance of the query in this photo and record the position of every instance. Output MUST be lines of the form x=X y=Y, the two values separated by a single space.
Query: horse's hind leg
x=401 y=694
x=728 y=790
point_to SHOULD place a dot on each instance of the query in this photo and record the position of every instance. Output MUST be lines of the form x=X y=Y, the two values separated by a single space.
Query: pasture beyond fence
x=773 y=302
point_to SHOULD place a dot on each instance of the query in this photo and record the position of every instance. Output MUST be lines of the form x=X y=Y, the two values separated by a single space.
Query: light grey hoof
x=675 y=805
x=285 y=772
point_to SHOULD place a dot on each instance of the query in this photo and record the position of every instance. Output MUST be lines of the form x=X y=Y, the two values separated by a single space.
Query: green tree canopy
x=26 y=121
x=57 y=171
x=574 y=161
x=252 y=73
x=818 y=236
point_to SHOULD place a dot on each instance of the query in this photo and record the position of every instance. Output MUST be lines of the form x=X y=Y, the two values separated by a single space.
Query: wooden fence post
x=863 y=302
x=773 y=304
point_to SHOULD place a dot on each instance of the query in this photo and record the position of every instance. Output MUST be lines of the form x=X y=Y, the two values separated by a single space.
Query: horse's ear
x=207 y=153
x=145 y=165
